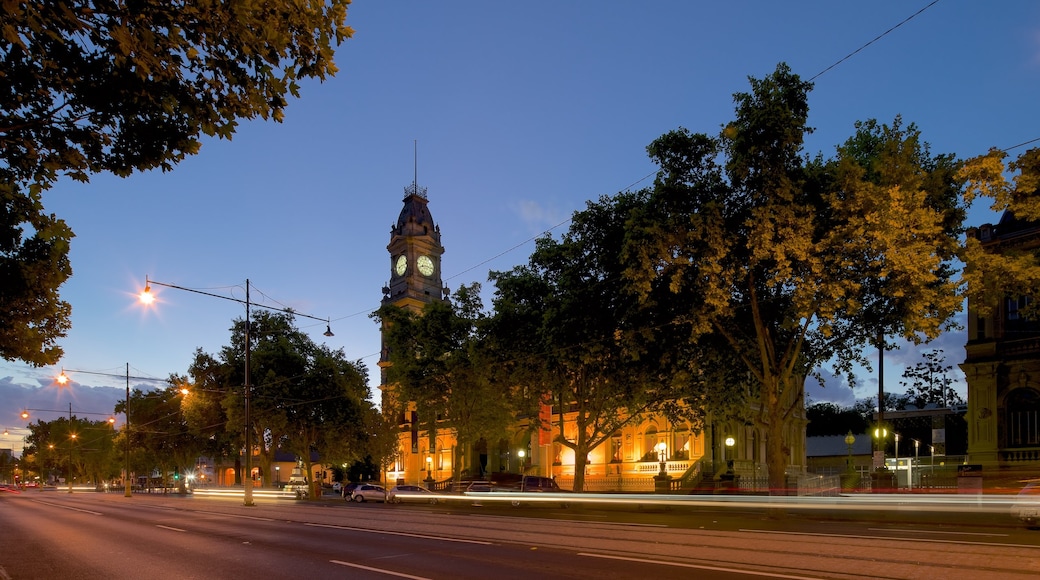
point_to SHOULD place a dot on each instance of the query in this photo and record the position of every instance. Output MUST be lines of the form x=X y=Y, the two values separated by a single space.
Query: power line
x=878 y=37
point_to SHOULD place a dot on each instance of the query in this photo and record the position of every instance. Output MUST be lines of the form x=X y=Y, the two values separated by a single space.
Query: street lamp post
x=662 y=457
x=896 y=435
x=917 y=449
x=850 y=439
x=63 y=378
x=662 y=481
x=729 y=446
x=147 y=297
x=72 y=435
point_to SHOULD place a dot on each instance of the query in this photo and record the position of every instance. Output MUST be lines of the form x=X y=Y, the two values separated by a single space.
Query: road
x=87 y=535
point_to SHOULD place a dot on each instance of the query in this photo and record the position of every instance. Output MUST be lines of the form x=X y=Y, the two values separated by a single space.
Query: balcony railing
x=1021 y=455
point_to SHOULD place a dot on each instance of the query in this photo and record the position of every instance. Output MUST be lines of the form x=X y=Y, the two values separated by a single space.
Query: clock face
x=425 y=265
x=401 y=265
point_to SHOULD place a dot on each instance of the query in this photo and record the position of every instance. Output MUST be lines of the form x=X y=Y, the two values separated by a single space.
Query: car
x=347 y=490
x=337 y=487
x=479 y=487
x=369 y=492
x=1027 y=505
x=533 y=484
x=413 y=493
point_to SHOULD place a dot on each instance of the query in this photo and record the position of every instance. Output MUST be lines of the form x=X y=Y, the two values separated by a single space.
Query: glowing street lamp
x=147 y=297
x=728 y=444
x=662 y=456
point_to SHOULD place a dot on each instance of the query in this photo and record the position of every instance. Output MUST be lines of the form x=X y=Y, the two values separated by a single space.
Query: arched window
x=649 y=444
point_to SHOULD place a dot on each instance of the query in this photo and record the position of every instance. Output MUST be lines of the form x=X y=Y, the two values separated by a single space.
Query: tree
x=1014 y=272
x=32 y=268
x=833 y=419
x=304 y=397
x=113 y=86
x=788 y=262
x=437 y=365
x=328 y=413
x=160 y=438
x=566 y=328
x=929 y=381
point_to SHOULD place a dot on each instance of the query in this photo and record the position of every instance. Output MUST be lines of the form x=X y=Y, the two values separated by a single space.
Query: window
x=1022 y=414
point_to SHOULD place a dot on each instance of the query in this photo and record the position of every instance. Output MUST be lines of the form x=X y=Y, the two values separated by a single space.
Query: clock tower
x=415 y=255
x=415 y=280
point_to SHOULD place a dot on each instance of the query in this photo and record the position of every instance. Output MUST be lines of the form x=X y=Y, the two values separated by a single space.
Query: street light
x=522 y=454
x=63 y=378
x=729 y=444
x=662 y=456
x=147 y=297
x=72 y=435
x=917 y=449
x=896 y=435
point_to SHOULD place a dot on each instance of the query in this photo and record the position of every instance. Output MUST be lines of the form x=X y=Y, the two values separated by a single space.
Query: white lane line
x=422 y=536
x=700 y=567
x=70 y=508
x=890 y=538
x=378 y=570
x=169 y=528
x=231 y=515
x=909 y=531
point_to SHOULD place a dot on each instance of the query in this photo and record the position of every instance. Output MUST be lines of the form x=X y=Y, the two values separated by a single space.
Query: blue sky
x=522 y=112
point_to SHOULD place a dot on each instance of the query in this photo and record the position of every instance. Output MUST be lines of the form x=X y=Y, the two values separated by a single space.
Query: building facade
x=1002 y=368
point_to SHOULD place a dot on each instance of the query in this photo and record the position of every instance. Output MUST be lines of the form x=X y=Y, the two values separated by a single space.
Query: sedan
x=369 y=492
x=400 y=493
x=1027 y=505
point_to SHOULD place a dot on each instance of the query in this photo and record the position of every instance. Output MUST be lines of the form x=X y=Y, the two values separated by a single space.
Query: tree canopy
x=111 y=86
x=1014 y=271
x=438 y=364
x=567 y=329
x=304 y=397
x=789 y=261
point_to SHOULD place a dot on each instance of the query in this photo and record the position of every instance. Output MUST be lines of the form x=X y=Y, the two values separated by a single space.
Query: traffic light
x=176 y=474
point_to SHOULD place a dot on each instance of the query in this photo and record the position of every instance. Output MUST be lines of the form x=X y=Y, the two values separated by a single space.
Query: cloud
x=538 y=216
x=47 y=402
x=835 y=389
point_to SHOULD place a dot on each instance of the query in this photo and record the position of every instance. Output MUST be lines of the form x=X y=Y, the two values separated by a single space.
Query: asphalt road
x=86 y=535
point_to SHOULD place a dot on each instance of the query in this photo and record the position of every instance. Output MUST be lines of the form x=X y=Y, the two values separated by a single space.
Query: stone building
x=1002 y=368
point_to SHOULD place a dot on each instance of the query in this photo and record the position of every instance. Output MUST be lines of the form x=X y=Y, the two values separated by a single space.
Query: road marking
x=169 y=528
x=231 y=515
x=865 y=537
x=700 y=566
x=909 y=531
x=378 y=570
x=423 y=536
x=70 y=508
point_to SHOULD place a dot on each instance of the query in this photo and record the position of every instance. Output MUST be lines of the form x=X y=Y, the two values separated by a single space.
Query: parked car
x=414 y=493
x=369 y=492
x=533 y=484
x=1027 y=505
x=347 y=490
x=479 y=487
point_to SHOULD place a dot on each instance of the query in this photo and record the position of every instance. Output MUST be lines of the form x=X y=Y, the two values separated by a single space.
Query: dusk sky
x=522 y=112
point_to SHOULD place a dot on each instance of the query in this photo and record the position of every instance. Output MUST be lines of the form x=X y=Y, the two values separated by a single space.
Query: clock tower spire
x=415 y=254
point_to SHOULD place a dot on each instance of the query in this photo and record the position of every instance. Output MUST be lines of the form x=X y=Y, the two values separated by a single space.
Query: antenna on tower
x=414 y=188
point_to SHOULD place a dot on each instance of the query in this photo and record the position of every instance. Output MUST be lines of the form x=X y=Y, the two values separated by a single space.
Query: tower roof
x=415 y=218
